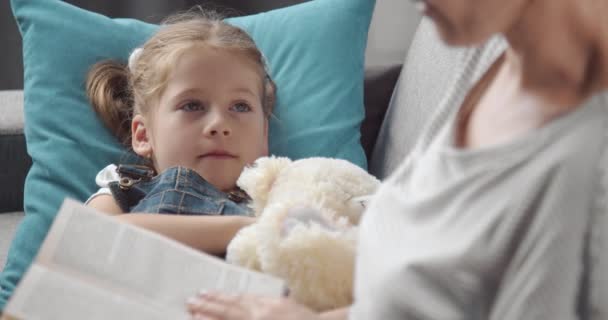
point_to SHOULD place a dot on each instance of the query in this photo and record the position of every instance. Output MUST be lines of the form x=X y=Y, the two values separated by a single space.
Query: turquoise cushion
x=316 y=53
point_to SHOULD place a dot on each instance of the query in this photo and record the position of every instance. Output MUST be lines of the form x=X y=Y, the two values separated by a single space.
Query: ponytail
x=111 y=97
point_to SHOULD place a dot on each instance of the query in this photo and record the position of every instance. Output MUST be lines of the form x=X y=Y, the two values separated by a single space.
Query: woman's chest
x=450 y=202
x=498 y=109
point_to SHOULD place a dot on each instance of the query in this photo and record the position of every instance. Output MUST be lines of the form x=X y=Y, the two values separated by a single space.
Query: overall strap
x=123 y=190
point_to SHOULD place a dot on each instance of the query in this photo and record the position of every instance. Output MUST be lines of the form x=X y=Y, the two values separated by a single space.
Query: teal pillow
x=316 y=53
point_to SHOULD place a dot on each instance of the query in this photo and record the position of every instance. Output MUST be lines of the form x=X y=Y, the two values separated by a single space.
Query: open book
x=91 y=266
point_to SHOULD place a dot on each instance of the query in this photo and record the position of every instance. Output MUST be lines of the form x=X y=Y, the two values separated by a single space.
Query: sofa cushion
x=379 y=85
x=424 y=77
x=315 y=50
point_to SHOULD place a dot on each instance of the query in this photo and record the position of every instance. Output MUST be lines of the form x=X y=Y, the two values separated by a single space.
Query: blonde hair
x=117 y=91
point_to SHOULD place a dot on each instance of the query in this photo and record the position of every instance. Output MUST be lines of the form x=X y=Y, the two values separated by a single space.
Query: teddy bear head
x=336 y=186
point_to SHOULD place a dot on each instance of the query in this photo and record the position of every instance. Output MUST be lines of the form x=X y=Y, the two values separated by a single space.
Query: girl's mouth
x=221 y=154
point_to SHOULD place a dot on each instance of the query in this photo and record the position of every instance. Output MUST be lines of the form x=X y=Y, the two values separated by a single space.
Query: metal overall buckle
x=238 y=195
x=132 y=174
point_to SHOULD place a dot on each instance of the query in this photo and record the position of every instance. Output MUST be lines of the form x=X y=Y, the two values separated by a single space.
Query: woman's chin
x=459 y=39
x=454 y=34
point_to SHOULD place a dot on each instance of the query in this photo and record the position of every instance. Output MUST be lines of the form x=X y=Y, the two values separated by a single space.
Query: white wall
x=393 y=26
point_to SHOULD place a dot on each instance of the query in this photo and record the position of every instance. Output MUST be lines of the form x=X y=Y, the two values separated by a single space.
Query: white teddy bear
x=306 y=233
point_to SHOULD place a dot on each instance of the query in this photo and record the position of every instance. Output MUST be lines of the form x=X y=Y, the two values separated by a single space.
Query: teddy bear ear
x=257 y=179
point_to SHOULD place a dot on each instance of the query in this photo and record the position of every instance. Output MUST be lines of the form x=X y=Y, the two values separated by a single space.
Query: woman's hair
x=117 y=90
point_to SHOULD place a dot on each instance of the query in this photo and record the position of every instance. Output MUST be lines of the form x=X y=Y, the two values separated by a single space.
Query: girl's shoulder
x=103 y=180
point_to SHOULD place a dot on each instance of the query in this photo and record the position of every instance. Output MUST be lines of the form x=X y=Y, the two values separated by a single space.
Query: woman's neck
x=559 y=48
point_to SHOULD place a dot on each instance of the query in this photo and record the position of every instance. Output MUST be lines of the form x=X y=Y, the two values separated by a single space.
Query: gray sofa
x=393 y=26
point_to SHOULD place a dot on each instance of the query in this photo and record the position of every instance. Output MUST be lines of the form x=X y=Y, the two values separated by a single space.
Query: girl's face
x=209 y=118
x=466 y=22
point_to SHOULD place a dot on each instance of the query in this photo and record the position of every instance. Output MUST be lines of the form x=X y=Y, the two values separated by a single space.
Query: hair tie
x=134 y=57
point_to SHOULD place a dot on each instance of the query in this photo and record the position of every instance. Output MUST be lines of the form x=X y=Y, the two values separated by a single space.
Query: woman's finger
x=218 y=306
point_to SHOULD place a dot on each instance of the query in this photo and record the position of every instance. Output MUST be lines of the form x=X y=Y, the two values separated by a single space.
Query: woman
x=498 y=213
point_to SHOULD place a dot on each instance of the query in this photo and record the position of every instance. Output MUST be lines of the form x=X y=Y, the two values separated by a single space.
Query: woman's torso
x=494 y=233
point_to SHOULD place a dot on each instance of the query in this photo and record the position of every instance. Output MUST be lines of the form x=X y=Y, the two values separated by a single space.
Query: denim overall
x=177 y=190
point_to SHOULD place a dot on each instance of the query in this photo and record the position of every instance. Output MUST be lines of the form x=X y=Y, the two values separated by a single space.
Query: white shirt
x=103 y=179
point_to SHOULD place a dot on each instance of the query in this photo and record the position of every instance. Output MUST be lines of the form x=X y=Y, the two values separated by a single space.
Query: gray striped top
x=513 y=231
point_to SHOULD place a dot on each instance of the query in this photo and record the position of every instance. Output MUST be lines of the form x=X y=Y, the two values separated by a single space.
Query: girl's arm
x=106 y=204
x=210 y=234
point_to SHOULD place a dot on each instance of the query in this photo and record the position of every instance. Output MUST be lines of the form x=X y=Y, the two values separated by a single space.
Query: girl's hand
x=216 y=306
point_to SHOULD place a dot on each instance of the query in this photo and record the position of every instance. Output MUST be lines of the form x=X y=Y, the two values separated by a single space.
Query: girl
x=506 y=212
x=193 y=102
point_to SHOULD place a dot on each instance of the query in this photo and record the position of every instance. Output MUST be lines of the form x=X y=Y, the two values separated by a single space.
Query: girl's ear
x=140 y=140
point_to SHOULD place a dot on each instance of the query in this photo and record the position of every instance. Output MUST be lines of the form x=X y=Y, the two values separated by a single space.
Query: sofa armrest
x=14 y=160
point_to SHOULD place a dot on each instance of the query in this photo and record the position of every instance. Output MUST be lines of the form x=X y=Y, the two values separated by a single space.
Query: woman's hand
x=216 y=306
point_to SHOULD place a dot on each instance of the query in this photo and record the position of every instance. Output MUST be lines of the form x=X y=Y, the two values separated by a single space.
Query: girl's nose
x=215 y=132
x=217 y=126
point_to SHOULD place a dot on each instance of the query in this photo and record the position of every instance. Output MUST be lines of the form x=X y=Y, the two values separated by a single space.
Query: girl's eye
x=241 y=107
x=192 y=106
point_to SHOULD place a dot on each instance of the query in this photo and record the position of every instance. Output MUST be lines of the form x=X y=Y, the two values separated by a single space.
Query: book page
x=139 y=264
x=45 y=294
